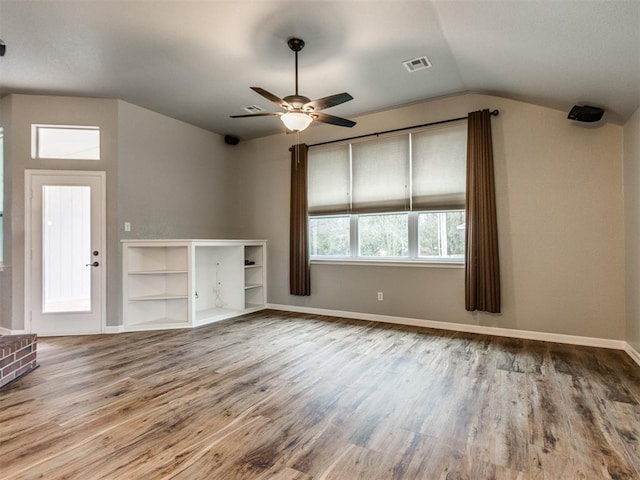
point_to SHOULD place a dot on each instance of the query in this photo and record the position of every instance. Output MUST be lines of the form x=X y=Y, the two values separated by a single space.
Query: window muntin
x=65 y=142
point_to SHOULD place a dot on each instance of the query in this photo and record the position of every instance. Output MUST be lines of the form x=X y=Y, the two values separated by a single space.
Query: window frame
x=36 y=143
x=413 y=257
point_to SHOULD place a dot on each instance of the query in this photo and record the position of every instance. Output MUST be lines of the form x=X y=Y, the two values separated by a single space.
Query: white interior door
x=65 y=252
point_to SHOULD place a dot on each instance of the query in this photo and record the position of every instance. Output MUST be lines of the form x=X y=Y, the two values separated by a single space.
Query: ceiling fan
x=299 y=111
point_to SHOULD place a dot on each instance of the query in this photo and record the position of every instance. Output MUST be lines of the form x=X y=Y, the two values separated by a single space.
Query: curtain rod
x=493 y=113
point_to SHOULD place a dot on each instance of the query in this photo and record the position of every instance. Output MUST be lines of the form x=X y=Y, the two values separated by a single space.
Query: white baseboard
x=114 y=329
x=633 y=353
x=8 y=331
x=461 y=327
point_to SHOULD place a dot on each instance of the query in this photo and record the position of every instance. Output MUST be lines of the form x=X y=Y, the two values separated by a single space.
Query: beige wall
x=560 y=210
x=174 y=181
x=632 y=227
x=5 y=273
x=168 y=178
x=25 y=110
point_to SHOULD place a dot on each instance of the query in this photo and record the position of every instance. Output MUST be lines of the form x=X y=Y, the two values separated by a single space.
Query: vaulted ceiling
x=195 y=60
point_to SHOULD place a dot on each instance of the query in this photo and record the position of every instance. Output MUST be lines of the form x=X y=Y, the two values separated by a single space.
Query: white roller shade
x=381 y=175
x=329 y=180
x=439 y=167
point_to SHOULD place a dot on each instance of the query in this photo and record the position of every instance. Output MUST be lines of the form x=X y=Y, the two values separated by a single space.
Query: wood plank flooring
x=284 y=396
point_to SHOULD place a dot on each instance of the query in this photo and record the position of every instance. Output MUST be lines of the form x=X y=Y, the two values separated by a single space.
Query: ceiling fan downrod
x=296 y=44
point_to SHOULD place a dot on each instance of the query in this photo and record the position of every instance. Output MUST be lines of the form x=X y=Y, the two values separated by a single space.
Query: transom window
x=65 y=142
x=398 y=198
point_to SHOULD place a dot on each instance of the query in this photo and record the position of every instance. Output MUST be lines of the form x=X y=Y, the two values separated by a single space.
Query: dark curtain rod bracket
x=494 y=113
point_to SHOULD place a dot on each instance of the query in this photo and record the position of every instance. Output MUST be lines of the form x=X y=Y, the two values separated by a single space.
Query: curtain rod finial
x=495 y=113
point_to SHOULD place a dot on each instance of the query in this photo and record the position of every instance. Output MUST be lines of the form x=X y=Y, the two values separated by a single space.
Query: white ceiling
x=195 y=60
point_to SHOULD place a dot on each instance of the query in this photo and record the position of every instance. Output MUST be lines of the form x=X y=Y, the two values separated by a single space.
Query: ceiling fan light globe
x=296 y=121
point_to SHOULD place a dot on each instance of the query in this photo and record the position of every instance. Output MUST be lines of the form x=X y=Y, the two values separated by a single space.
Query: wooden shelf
x=160 y=296
x=215 y=313
x=160 y=322
x=158 y=272
x=178 y=283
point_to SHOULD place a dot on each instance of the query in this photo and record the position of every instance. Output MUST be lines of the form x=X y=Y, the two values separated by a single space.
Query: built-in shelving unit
x=186 y=283
x=254 y=276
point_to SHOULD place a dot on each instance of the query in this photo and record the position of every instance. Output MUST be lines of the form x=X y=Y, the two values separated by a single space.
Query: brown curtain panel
x=299 y=270
x=482 y=266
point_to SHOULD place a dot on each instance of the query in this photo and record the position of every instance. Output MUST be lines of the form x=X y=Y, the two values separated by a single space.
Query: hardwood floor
x=295 y=397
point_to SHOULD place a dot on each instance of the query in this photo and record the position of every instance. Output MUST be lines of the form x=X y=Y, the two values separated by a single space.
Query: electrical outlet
x=380 y=296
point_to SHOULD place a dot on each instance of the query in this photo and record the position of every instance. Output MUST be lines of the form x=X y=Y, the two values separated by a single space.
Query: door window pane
x=66 y=248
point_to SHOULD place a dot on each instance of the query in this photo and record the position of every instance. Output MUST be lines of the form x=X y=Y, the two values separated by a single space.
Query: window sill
x=389 y=262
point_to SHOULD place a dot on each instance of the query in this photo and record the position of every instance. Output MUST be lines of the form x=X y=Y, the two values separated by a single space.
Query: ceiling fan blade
x=263 y=114
x=326 y=102
x=270 y=96
x=333 y=120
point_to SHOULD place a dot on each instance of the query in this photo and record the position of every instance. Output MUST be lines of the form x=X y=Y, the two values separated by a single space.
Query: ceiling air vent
x=416 y=64
x=253 y=109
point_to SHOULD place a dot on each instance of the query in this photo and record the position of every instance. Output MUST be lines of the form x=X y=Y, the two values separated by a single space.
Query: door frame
x=29 y=175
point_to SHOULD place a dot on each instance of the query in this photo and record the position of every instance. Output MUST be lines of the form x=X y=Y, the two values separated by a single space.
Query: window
x=329 y=236
x=393 y=198
x=65 y=142
x=441 y=234
x=383 y=235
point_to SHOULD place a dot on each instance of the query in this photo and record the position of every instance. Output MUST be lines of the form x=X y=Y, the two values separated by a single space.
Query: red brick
x=7 y=360
x=29 y=358
x=17 y=356
x=10 y=368
x=7 y=379
x=8 y=349
x=24 y=369
x=26 y=350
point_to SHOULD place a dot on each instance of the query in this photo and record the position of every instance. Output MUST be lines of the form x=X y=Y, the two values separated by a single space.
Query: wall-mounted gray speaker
x=231 y=140
x=585 y=113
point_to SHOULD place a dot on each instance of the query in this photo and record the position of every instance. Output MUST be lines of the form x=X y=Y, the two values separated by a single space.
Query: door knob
x=94 y=264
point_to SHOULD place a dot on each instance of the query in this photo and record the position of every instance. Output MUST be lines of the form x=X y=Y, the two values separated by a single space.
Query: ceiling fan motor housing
x=297 y=102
